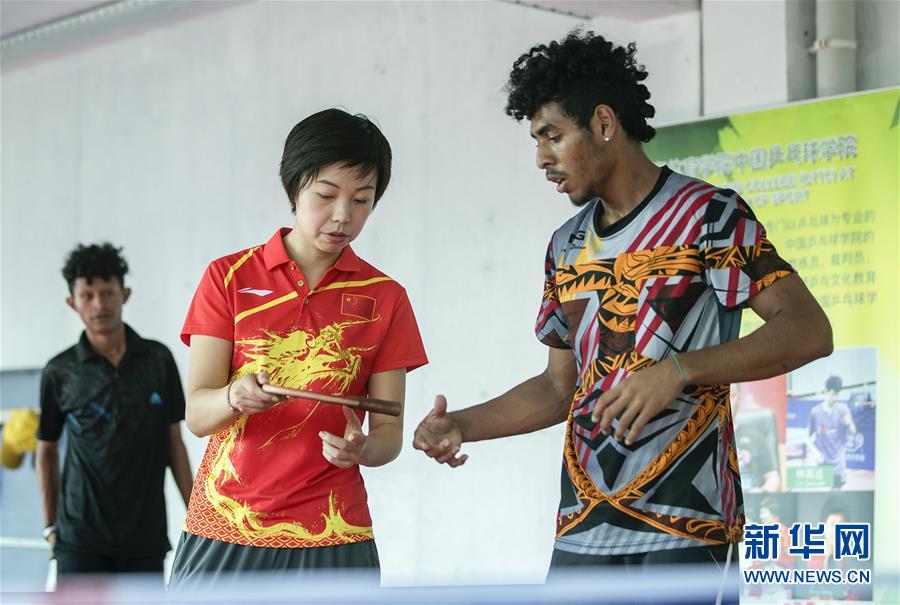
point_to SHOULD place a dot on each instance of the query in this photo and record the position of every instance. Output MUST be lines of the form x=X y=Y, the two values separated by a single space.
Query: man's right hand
x=439 y=435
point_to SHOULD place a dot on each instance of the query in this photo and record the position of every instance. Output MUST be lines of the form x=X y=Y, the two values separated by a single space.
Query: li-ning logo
x=255 y=291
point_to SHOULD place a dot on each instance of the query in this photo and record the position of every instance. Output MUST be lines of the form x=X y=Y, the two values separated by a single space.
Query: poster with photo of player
x=830 y=436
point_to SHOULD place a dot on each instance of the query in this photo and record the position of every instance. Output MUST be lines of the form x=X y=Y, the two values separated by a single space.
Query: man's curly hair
x=580 y=72
x=96 y=260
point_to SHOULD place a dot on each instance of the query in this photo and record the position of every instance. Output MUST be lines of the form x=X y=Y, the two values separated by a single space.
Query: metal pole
x=835 y=47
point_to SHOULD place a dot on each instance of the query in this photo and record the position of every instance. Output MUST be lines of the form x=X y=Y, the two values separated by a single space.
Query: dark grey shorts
x=200 y=561
x=638 y=569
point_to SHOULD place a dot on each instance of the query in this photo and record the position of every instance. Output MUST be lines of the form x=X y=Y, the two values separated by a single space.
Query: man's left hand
x=637 y=399
x=348 y=451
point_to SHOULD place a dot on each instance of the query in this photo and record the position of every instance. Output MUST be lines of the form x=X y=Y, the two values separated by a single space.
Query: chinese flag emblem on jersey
x=357 y=305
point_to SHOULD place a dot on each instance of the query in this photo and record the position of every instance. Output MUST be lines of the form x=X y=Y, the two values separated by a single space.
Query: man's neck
x=111 y=345
x=629 y=181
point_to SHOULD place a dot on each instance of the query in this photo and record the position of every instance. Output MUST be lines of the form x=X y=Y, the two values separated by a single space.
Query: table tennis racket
x=380 y=406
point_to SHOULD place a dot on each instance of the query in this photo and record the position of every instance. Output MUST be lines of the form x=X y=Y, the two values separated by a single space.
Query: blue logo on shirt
x=99 y=409
x=155 y=399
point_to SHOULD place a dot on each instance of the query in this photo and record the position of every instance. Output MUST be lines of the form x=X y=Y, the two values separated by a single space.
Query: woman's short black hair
x=331 y=136
x=95 y=260
x=580 y=72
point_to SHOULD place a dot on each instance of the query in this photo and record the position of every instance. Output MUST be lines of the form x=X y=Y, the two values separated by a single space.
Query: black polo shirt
x=117 y=423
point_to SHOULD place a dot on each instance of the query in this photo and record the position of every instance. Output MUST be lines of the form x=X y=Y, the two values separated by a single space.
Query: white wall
x=878 y=36
x=744 y=55
x=669 y=49
x=168 y=143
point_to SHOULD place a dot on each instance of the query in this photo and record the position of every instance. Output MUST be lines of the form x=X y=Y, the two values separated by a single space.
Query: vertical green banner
x=823 y=177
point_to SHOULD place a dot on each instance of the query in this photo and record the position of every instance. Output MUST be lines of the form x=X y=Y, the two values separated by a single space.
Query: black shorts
x=203 y=562
x=75 y=562
x=637 y=569
x=71 y=565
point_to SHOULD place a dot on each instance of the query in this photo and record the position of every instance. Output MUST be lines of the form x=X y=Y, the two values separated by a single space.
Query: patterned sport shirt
x=670 y=276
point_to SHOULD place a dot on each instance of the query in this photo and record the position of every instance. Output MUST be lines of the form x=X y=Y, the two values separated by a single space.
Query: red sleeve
x=402 y=345
x=211 y=313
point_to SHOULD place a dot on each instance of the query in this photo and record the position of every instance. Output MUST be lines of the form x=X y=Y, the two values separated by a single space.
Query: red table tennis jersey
x=263 y=481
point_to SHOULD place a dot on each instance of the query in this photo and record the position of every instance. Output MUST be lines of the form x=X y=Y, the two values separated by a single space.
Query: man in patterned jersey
x=641 y=310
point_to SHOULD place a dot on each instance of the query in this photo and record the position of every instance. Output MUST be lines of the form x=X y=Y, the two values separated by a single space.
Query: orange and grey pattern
x=671 y=277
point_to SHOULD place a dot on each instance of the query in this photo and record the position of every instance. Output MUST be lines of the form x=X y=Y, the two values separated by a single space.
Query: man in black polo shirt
x=120 y=400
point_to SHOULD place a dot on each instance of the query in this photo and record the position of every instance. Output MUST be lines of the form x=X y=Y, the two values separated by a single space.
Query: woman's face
x=333 y=208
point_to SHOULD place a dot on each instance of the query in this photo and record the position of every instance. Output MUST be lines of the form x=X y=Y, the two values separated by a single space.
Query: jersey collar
x=274 y=254
x=134 y=344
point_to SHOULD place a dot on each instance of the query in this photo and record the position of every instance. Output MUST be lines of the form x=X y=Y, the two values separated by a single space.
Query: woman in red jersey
x=279 y=487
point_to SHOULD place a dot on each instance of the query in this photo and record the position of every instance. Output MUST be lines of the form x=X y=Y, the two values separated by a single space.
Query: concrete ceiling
x=20 y=15
x=631 y=10
x=36 y=30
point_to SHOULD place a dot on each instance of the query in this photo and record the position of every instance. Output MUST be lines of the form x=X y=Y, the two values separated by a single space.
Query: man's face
x=99 y=303
x=570 y=156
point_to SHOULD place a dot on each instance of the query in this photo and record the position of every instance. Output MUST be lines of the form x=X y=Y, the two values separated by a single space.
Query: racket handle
x=379 y=406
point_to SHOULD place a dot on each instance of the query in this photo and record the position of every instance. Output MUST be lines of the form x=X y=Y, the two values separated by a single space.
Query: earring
x=606 y=139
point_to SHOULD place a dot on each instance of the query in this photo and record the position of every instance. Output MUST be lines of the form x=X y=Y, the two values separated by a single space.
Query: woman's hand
x=348 y=451
x=246 y=396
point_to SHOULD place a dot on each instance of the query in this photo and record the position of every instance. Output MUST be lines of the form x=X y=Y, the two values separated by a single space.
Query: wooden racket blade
x=380 y=406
